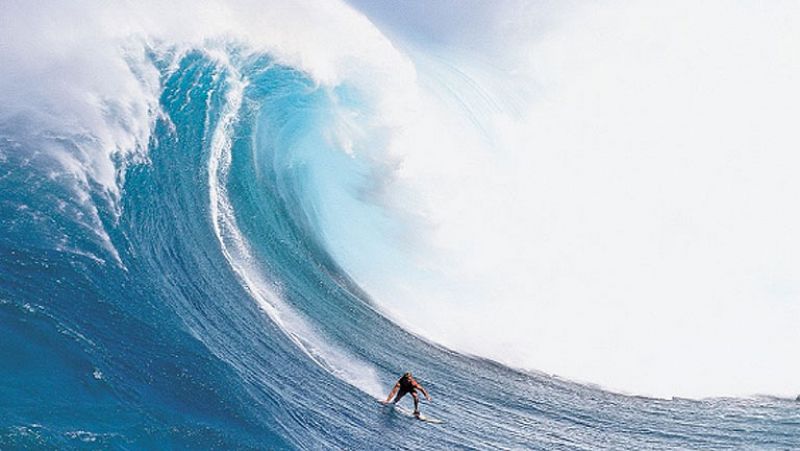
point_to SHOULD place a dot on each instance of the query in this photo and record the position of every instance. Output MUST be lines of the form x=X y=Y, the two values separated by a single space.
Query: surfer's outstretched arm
x=394 y=390
x=424 y=392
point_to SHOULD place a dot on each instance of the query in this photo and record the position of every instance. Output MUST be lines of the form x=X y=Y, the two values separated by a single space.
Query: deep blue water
x=155 y=333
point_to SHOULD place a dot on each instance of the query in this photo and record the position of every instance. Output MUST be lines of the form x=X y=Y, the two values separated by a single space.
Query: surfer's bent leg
x=416 y=402
x=400 y=394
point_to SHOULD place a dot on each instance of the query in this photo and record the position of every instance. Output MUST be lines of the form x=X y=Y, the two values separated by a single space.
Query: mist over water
x=605 y=191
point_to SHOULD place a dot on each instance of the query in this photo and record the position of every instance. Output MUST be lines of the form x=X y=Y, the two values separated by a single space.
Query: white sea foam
x=628 y=219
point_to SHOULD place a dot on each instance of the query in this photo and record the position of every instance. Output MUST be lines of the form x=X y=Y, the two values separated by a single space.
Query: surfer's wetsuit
x=407 y=384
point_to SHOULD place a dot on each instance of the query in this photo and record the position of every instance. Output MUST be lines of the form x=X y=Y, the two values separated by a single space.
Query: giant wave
x=166 y=272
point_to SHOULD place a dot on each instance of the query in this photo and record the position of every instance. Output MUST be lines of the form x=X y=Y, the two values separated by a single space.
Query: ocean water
x=178 y=293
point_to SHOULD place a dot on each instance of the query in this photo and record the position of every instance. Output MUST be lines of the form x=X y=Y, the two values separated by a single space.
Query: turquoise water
x=210 y=313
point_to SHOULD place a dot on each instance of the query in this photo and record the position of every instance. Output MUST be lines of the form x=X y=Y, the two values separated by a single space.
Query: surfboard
x=409 y=413
x=429 y=419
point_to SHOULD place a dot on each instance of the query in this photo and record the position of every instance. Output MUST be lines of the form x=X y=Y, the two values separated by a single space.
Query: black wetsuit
x=407 y=386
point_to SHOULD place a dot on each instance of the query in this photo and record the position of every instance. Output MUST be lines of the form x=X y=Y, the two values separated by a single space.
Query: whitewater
x=234 y=225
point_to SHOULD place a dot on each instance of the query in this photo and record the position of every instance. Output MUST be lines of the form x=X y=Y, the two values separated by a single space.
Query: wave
x=186 y=212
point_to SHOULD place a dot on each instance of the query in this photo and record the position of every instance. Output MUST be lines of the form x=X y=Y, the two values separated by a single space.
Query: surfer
x=407 y=384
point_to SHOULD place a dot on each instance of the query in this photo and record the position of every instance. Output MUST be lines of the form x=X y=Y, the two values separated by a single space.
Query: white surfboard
x=409 y=413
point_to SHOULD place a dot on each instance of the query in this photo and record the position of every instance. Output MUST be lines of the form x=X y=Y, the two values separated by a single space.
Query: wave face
x=183 y=295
